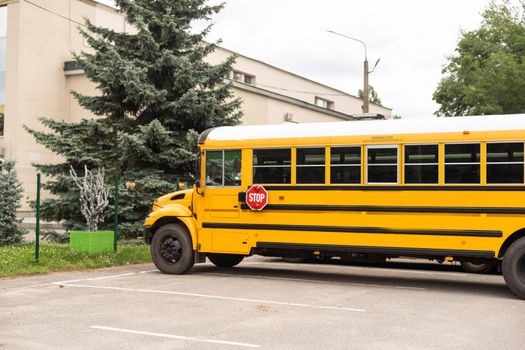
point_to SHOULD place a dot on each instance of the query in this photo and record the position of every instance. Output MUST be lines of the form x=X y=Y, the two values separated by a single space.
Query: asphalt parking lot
x=263 y=303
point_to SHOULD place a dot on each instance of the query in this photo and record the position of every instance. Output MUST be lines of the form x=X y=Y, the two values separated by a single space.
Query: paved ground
x=263 y=303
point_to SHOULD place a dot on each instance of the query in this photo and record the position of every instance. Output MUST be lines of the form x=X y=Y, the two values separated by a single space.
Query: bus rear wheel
x=481 y=268
x=172 y=250
x=225 y=260
x=514 y=268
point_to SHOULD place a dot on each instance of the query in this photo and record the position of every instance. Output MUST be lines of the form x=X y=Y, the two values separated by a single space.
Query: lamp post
x=366 y=72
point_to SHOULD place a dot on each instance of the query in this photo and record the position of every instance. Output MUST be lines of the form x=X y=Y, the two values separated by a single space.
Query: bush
x=55 y=237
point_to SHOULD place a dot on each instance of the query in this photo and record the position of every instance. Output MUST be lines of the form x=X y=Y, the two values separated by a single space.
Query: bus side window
x=272 y=166
x=223 y=168
x=462 y=163
x=232 y=168
x=213 y=168
x=310 y=165
x=382 y=164
x=505 y=163
x=345 y=165
x=421 y=164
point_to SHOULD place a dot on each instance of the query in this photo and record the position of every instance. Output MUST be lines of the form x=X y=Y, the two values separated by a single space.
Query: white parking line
x=172 y=336
x=312 y=281
x=73 y=281
x=219 y=297
x=96 y=278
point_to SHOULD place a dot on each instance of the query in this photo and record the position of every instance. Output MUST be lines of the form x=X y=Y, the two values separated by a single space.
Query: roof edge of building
x=302 y=77
x=7 y=2
x=99 y=4
x=291 y=100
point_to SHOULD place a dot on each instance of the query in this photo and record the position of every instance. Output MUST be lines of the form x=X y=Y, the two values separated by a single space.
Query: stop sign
x=256 y=197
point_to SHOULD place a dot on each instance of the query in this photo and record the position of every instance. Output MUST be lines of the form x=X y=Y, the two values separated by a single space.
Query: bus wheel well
x=511 y=239
x=164 y=221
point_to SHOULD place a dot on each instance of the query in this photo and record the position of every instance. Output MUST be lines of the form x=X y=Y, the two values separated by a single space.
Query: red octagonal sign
x=256 y=197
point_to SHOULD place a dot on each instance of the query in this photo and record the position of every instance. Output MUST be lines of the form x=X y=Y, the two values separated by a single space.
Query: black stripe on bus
x=392 y=188
x=379 y=250
x=351 y=229
x=394 y=209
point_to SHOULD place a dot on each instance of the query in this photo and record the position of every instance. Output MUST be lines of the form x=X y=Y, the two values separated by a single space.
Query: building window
x=382 y=164
x=321 y=102
x=462 y=163
x=505 y=163
x=272 y=166
x=310 y=165
x=345 y=165
x=242 y=77
x=223 y=168
x=3 y=58
x=421 y=164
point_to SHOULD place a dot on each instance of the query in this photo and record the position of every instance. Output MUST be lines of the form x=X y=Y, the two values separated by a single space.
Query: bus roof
x=368 y=127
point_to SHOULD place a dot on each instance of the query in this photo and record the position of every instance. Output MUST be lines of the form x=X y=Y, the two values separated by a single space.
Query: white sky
x=412 y=38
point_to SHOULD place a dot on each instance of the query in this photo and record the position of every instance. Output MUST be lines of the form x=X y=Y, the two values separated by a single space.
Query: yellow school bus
x=441 y=188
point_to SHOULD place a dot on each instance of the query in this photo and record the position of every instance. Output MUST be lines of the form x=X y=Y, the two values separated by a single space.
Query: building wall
x=38 y=44
x=264 y=110
x=3 y=41
x=286 y=83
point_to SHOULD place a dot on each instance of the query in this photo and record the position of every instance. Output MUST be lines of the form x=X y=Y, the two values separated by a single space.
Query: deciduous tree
x=486 y=75
x=373 y=97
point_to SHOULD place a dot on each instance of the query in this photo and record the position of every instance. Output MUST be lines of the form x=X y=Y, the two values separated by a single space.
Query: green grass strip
x=20 y=259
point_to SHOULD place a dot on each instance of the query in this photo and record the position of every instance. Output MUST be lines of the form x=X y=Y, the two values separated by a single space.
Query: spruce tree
x=10 y=195
x=157 y=93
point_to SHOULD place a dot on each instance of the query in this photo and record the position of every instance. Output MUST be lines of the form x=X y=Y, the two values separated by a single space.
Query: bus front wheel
x=225 y=260
x=514 y=268
x=171 y=250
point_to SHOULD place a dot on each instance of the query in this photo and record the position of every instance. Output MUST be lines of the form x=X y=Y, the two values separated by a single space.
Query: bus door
x=220 y=200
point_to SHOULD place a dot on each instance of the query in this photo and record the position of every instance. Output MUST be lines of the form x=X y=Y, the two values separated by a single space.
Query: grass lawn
x=20 y=260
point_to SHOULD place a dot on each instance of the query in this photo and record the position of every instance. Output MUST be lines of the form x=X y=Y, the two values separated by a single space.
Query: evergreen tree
x=156 y=94
x=10 y=195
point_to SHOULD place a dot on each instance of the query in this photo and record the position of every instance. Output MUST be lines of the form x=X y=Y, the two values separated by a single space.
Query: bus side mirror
x=198 y=183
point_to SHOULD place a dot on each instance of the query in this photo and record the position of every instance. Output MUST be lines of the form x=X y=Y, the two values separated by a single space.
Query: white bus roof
x=370 y=127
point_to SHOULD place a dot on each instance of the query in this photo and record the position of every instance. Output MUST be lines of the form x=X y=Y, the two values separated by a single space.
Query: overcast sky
x=412 y=38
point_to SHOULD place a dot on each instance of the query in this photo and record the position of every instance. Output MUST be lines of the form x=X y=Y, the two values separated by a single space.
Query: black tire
x=172 y=250
x=225 y=260
x=514 y=268
x=480 y=268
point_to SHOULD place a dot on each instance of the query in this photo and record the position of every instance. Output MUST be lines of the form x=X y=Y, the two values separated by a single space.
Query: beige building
x=37 y=73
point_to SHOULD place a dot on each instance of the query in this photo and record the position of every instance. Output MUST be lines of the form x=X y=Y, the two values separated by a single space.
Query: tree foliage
x=487 y=73
x=10 y=196
x=156 y=94
x=373 y=97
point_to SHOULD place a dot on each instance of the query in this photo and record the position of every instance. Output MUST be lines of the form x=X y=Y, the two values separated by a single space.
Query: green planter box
x=91 y=242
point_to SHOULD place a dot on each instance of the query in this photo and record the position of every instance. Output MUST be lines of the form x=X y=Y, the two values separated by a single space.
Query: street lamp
x=366 y=71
